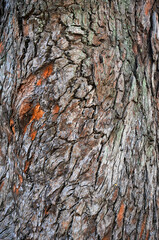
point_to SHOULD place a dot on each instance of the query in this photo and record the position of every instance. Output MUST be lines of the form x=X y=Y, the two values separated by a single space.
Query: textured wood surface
x=79 y=119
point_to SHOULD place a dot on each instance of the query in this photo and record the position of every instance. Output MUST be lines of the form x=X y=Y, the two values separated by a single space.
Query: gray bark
x=79 y=119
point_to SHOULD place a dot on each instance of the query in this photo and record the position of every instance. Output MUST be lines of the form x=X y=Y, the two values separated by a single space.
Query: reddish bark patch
x=158 y=202
x=47 y=71
x=120 y=215
x=39 y=82
x=1 y=47
x=12 y=125
x=148 y=7
x=37 y=114
x=13 y=130
x=46 y=212
x=24 y=108
x=54 y=118
x=107 y=237
x=27 y=164
x=135 y=49
x=1 y=186
x=16 y=190
x=55 y=17
x=25 y=28
x=100 y=180
x=20 y=179
x=157 y=100
x=33 y=135
x=26 y=88
x=14 y=187
x=9 y=134
x=96 y=41
x=143 y=227
x=11 y=122
x=115 y=195
x=65 y=224
x=25 y=128
x=147 y=235
x=68 y=2
x=55 y=109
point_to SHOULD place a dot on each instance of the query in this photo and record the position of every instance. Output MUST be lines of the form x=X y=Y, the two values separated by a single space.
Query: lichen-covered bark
x=79 y=119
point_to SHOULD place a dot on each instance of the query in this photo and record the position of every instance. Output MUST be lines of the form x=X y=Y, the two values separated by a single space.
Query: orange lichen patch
x=25 y=128
x=120 y=215
x=33 y=135
x=13 y=129
x=1 y=47
x=47 y=71
x=39 y=82
x=37 y=114
x=55 y=109
x=143 y=227
x=148 y=6
x=20 y=179
x=27 y=164
x=1 y=186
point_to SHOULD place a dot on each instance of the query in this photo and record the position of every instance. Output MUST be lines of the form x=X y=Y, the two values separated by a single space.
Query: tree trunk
x=79 y=119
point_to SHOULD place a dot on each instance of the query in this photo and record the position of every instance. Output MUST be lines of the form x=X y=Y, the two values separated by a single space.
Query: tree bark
x=79 y=119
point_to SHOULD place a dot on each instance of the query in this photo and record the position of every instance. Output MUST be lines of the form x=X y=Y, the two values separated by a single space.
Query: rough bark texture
x=79 y=119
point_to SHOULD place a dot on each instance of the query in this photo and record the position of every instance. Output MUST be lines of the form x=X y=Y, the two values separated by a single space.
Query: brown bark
x=79 y=119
